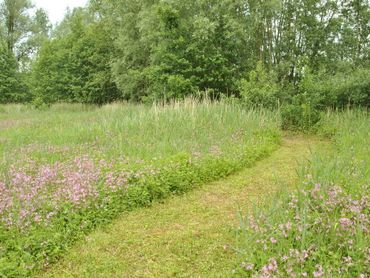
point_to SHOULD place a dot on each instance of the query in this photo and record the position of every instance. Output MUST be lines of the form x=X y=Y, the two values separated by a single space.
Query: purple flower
x=247 y=266
x=319 y=271
x=345 y=222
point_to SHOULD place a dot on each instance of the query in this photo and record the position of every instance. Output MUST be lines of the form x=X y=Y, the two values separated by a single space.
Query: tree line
x=264 y=52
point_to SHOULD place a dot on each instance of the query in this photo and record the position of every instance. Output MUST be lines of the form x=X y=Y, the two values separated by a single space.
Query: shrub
x=300 y=115
x=260 y=89
x=350 y=87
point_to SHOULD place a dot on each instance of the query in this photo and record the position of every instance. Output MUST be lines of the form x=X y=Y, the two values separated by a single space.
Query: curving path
x=188 y=235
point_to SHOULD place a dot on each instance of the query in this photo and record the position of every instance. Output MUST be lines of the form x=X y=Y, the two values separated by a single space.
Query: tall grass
x=322 y=229
x=135 y=131
x=66 y=170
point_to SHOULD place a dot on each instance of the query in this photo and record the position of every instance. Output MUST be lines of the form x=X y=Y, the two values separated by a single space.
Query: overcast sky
x=57 y=8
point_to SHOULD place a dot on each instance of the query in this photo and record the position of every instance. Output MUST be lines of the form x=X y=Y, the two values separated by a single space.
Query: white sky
x=57 y=8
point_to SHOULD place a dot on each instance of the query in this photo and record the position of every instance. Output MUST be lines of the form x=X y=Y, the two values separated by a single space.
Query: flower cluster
x=318 y=232
x=33 y=194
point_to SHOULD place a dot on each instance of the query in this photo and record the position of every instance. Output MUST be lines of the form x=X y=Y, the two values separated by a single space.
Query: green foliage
x=162 y=50
x=74 y=67
x=261 y=88
x=14 y=13
x=21 y=34
x=8 y=75
x=174 y=49
x=318 y=91
x=302 y=114
x=40 y=103
x=345 y=88
x=49 y=81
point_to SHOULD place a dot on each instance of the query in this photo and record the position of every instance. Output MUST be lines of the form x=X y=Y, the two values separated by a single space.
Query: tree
x=17 y=21
x=145 y=50
x=23 y=33
x=74 y=66
x=8 y=75
x=176 y=48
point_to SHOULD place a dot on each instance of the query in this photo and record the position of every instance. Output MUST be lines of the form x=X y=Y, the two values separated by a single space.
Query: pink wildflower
x=247 y=266
x=273 y=240
x=345 y=222
x=319 y=271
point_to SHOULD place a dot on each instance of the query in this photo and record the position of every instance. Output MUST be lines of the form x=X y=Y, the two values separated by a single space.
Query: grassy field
x=323 y=228
x=128 y=131
x=72 y=168
x=83 y=189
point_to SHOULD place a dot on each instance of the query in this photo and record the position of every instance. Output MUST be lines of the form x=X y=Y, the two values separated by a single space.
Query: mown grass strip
x=185 y=236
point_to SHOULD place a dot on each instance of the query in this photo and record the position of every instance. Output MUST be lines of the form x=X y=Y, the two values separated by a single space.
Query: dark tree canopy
x=265 y=52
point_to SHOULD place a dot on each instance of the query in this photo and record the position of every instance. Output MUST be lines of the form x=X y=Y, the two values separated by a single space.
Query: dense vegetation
x=322 y=228
x=61 y=177
x=303 y=54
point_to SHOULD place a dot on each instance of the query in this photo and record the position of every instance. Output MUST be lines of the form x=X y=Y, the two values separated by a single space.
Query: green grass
x=162 y=223
x=70 y=169
x=321 y=229
x=192 y=235
x=137 y=132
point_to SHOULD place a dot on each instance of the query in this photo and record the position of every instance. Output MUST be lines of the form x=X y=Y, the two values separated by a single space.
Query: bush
x=39 y=103
x=346 y=88
x=300 y=115
x=260 y=89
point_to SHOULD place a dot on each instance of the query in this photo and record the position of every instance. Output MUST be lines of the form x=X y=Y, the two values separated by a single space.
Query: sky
x=57 y=8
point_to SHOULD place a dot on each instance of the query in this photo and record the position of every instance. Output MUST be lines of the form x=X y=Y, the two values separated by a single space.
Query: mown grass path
x=188 y=235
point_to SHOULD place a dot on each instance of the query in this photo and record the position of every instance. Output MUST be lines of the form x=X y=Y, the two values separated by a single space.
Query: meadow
x=321 y=229
x=69 y=169
x=72 y=170
x=208 y=138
